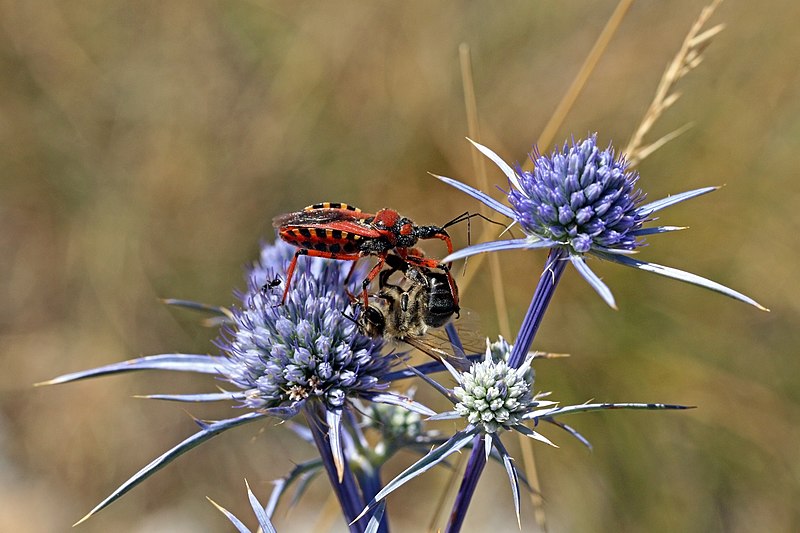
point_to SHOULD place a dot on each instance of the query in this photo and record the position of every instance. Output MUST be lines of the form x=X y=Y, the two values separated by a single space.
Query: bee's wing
x=472 y=339
x=427 y=345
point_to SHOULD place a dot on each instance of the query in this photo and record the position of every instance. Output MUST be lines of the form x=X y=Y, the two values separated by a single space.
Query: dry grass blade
x=568 y=100
x=645 y=151
x=479 y=164
x=687 y=59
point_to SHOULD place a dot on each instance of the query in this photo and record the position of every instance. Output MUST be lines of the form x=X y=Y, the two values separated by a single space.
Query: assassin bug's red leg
x=372 y=273
x=350 y=295
x=435 y=232
x=446 y=238
x=312 y=253
x=364 y=284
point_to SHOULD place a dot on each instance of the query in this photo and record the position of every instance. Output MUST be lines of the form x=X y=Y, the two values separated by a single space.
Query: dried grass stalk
x=687 y=59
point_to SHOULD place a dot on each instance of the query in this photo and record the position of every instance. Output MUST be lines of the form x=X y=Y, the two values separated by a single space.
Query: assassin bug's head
x=434 y=232
x=405 y=233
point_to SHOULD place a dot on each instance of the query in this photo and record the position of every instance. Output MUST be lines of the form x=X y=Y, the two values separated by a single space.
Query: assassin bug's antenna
x=466 y=215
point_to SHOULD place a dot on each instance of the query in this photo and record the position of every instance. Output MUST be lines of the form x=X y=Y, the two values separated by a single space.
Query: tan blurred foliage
x=146 y=146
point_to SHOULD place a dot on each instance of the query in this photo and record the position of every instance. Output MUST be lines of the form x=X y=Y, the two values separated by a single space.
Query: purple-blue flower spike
x=585 y=202
x=306 y=349
x=304 y=356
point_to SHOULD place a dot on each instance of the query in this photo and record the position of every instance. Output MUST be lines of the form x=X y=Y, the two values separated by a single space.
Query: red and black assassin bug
x=341 y=231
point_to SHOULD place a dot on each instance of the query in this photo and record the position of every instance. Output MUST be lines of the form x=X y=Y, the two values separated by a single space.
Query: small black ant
x=271 y=284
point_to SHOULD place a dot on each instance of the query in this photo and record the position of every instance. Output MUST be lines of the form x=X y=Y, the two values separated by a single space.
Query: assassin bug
x=341 y=231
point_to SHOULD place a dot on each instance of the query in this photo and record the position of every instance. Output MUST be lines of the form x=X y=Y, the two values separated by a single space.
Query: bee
x=420 y=300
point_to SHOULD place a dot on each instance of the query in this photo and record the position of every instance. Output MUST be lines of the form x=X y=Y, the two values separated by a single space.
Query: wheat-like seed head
x=689 y=56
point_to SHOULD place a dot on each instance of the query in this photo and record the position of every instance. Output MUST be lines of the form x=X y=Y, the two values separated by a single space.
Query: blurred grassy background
x=146 y=146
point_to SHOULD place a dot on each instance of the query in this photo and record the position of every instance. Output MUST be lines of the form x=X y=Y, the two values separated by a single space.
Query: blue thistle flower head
x=581 y=197
x=306 y=349
x=306 y=355
x=582 y=201
x=495 y=397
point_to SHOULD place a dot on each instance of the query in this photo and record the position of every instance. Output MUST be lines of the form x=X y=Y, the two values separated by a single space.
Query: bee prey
x=405 y=311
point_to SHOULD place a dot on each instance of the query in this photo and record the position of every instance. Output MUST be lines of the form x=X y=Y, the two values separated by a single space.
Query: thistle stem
x=472 y=473
x=370 y=482
x=346 y=491
x=553 y=269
